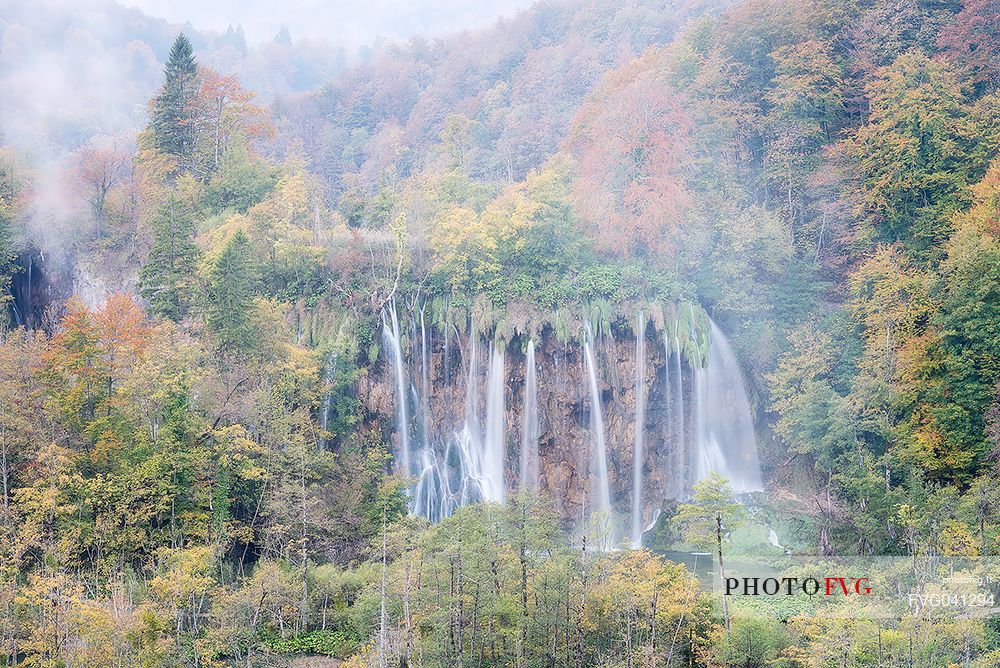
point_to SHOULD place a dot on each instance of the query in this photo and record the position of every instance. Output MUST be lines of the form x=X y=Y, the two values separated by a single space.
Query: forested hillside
x=226 y=337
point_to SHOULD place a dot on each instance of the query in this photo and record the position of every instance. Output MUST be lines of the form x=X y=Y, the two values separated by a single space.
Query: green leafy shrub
x=329 y=643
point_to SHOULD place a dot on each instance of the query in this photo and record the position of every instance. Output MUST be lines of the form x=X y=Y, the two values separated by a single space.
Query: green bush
x=754 y=642
x=599 y=280
x=329 y=643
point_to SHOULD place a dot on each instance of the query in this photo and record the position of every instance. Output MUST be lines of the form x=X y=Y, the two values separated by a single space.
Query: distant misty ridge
x=72 y=71
x=351 y=23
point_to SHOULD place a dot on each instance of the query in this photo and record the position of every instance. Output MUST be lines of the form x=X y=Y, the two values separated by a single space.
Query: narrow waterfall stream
x=425 y=385
x=467 y=440
x=529 y=423
x=392 y=339
x=598 y=445
x=679 y=439
x=494 y=445
x=324 y=416
x=638 y=453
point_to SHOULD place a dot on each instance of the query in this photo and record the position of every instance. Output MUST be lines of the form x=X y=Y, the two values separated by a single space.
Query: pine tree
x=230 y=295
x=7 y=258
x=173 y=112
x=10 y=190
x=167 y=277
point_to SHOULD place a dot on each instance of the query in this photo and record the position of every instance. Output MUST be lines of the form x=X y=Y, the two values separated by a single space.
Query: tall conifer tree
x=230 y=295
x=167 y=276
x=173 y=112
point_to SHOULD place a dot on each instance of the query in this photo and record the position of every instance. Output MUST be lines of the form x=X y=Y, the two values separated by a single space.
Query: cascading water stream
x=679 y=440
x=390 y=331
x=494 y=445
x=481 y=452
x=640 y=428
x=454 y=467
x=425 y=385
x=598 y=445
x=430 y=495
x=328 y=376
x=529 y=423
x=724 y=440
x=467 y=445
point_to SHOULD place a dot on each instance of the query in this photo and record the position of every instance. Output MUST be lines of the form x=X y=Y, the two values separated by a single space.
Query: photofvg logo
x=789 y=586
x=862 y=587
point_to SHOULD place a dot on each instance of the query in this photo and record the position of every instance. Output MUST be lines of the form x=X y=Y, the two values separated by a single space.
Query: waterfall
x=481 y=453
x=466 y=441
x=392 y=339
x=679 y=440
x=28 y=303
x=425 y=385
x=454 y=458
x=598 y=446
x=22 y=290
x=324 y=417
x=430 y=494
x=494 y=446
x=529 y=424
x=640 y=427
x=724 y=440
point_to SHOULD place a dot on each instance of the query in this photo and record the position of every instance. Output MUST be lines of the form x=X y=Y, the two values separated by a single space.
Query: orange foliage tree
x=226 y=110
x=972 y=42
x=632 y=142
x=90 y=354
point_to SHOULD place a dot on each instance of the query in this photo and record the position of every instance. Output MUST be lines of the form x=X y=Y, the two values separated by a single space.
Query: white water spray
x=724 y=440
x=529 y=423
x=638 y=453
x=390 y=331
x=495 y=446
x=467 y=462
x=425 y=384
x=679 y=441
x=598 y=445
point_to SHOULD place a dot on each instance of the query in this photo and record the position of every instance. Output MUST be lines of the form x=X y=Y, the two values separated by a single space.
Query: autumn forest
x=498 y=348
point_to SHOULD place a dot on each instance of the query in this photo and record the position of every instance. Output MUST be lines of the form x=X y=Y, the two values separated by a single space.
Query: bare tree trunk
x=218 y=132
x=407 y=619
x=722 y=570
x=461 y=608
x=452 y=640
x=566 y=642
x=628 y=636
x=522 y=557
x=650 y=661
x=304 y=613
x=580 y=611
x=5 y=473
x=382 y=659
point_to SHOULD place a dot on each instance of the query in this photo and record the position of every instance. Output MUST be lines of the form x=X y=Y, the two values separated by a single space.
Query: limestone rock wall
x=566 y=465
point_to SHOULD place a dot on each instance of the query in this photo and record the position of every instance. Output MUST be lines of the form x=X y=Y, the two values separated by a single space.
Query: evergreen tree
x=7 y=264
x=230 y=295
x=167 y=277
x=10 y=188
x=173 y=112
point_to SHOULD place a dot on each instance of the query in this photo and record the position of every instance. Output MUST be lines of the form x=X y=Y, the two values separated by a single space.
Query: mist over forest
x=499 y=333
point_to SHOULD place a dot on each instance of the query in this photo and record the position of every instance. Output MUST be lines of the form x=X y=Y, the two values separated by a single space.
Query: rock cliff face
x=39 y=287
x=43 y=281
x=437 y=375
x=566 y=466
